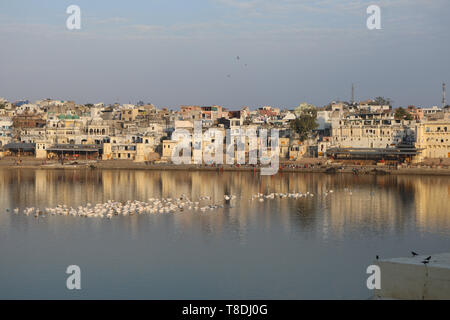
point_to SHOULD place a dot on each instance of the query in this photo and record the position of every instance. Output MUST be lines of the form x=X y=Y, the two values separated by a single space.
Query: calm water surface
x=316 y=247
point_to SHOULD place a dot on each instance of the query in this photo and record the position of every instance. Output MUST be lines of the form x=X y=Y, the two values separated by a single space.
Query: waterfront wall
x=409 y=278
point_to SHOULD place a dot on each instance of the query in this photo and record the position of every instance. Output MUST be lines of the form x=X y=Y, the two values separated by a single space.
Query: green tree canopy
x=305 y=123
x=305 y=108
x=401 y=113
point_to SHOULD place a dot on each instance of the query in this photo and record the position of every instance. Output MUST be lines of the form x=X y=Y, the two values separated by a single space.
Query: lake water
x=310 y=248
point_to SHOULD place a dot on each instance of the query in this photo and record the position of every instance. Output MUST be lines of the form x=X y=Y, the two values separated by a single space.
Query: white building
x=431 y=110
x=6 y=125
x=324 y=119
x=371 y=130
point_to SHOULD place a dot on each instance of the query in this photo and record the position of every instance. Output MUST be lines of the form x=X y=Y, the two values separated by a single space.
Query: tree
x=401 y=113
x=381 y=101
x=305 y=123
x=305 y=108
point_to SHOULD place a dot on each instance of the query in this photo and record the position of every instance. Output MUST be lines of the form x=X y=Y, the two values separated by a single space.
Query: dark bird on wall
x=428 y=258
x=414 y=254
x=425 y=261
x=377 y=257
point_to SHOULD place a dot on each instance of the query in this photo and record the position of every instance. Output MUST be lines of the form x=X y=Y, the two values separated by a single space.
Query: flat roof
x=74 y=147
x=374 y=151
x=19 y=146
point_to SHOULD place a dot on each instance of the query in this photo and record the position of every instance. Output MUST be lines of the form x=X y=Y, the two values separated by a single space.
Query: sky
x=179 y=52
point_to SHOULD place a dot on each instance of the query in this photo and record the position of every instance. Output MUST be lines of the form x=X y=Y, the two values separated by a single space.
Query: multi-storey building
x=371 y=130
x=433 y=138
x=6 y=126
x=137 y=148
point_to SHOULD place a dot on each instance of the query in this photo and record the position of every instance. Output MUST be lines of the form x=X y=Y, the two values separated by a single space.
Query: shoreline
x=130 y=165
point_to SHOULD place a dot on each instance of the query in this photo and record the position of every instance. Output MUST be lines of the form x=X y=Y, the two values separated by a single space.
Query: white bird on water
x=154 y=205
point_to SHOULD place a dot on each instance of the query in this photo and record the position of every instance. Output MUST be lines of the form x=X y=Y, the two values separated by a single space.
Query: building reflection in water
x=357 y=204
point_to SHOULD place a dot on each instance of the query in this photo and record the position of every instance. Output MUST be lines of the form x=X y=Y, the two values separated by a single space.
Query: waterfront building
x=297 y=150
x=6 y=128
x=433 y=138
x=284 y=147
x=371 y=130
x=168 y=147
x=121 y=130
x=137 y=148
x=68 y=151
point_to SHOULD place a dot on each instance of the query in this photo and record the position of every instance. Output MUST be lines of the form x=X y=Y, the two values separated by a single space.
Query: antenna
x=443 y=95
x=353 y=93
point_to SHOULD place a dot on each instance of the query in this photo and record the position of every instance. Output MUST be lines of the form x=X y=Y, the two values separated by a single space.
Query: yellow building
x=41 y=149
x=145 y=150
x=129 y=114
x=433 y=138
x=284 y=147
x=296 y=150
x=168 y=146
x=128 y=148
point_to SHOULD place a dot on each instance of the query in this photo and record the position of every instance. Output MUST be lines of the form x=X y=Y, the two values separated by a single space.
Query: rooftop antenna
x=353 y=93
x=443 y=95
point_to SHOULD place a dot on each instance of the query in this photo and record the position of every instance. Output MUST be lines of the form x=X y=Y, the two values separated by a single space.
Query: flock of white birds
x=113 y=208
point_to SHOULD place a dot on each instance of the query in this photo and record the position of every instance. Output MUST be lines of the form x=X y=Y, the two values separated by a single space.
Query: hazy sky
x=172 y=52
